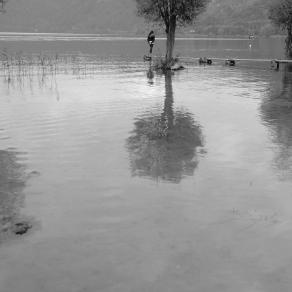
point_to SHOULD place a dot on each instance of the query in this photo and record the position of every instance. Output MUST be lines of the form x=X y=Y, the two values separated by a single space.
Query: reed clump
x=160 y=64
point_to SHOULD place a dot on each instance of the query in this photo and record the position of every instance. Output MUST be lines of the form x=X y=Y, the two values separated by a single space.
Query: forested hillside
x=236 y=17
x=223 y=17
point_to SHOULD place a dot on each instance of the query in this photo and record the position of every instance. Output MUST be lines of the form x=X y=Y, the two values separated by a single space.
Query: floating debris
x=21 y=228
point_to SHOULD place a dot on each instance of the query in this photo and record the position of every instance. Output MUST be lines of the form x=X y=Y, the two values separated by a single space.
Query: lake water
x=138 y=181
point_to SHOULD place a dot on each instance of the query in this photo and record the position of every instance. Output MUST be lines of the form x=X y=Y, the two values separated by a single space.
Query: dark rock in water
x=177 y=67
x=21 y=227
x=33 y=174
x=204 y=61
x=230 y=62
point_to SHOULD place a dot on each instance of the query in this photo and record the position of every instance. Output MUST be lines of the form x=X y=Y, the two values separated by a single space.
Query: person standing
x=151 y=40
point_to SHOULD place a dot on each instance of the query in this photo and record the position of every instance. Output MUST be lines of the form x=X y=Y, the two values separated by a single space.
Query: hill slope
x=87 y=16
x=236 y=17
x=110 y=16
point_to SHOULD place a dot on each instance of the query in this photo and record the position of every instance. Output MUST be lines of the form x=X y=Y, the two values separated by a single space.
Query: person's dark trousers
x=151 y=47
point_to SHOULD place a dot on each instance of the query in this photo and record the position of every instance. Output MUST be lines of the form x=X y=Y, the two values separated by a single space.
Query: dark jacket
x=151 y=37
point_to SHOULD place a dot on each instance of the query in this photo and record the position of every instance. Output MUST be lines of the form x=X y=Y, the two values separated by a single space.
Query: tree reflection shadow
x=164 y=146
x=277 y=114
x=12 y=184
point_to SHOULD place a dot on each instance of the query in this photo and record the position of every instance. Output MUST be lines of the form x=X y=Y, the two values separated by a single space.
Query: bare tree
x=171 y=13
x=280 y=13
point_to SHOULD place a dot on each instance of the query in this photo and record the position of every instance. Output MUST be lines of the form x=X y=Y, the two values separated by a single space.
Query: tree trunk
x=170 y=34
x=289 y=43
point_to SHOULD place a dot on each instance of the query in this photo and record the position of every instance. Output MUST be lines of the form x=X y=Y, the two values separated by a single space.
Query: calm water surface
x=137 y=181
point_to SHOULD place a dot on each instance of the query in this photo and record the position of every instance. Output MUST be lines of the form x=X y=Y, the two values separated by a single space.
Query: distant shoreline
x=131 y=35
x=50 y=36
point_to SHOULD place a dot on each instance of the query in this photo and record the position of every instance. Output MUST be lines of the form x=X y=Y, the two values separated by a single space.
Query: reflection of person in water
x=163 y=146
x=150 y=75
x=151 y=40
x=277 y=115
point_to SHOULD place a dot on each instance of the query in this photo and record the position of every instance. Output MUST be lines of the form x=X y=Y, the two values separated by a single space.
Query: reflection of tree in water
x=163 y=146
x=277 y=114
x=12 y=183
